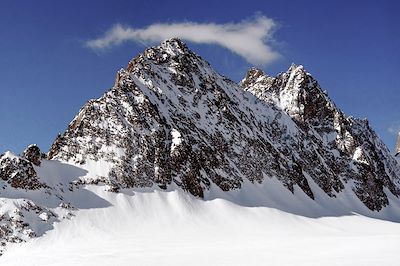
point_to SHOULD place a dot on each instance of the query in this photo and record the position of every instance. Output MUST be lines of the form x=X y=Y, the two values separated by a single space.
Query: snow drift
x=176 y=163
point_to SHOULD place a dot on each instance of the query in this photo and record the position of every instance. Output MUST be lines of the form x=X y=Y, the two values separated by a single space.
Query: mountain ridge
x=190 y=79
x=172 y=122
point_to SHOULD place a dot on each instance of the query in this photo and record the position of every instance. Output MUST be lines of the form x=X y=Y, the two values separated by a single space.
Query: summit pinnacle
x=170 y=119
x=171 y=122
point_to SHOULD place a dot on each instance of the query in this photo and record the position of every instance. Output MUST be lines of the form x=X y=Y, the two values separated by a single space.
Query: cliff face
x=171 y=122
x=170 y=119
x=25 y=199
x=349 y=147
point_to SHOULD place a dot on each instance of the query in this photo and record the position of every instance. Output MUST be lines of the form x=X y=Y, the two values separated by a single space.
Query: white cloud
x=394 y=129
x=250 y=39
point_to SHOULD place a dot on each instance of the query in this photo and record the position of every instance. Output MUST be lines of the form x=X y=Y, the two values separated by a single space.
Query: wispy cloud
x=394 y=127
x=250 y=39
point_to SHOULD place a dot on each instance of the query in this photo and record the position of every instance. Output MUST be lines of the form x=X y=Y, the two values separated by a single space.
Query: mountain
x=172 y=123
x=347 y=150
x=170 y=118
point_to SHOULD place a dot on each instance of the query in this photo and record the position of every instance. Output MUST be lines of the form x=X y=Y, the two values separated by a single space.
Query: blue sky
x=47 y=72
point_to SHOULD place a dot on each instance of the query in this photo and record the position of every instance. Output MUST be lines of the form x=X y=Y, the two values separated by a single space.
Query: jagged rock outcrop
x=398 y=146
x=18 y=172
x=28 y=205
x=170 y=118
x=348 y=146
x=16 y=223
x=33 y=154
x=19 y=217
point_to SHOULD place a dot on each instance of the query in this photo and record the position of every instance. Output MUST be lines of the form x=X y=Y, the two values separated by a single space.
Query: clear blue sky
x=47 y=73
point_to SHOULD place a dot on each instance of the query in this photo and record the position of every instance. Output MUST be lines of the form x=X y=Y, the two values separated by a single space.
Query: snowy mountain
x=170 y=118
x=172 y=124
x=347 y=149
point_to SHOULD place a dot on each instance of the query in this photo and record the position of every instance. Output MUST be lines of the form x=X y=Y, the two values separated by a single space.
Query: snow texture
x=180 y=165
x=174 y=228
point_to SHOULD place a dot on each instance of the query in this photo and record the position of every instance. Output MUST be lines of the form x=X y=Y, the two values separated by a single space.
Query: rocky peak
x=171 y=122
x=172 y=49
x=296 y=69
x=174 y=46
x=18 y=172
x=256 y=81
x=254 y=76
x=171 y=119
x=398 y=145
x=33 y=154
x=299 y=95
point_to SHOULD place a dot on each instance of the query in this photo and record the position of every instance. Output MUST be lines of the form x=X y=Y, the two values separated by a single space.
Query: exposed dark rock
x=18 y=172
x=348 y=146
x=171 y=118
x=33 y=154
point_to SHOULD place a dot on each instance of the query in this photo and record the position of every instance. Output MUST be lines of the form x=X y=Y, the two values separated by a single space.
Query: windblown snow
x=259 y=225
x=178 y=165
x=173 y=228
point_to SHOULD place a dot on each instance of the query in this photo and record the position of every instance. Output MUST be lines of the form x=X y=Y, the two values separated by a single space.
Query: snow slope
x=257 y=225
x=171 y=119
x=174 y=228
x=177 y=164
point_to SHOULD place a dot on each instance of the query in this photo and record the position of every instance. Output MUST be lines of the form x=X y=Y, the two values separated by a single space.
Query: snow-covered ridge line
x=226 y=135
x=171 y=122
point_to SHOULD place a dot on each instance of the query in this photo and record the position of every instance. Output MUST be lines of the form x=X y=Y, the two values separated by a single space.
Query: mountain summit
x=171 y=122
x=171 y=119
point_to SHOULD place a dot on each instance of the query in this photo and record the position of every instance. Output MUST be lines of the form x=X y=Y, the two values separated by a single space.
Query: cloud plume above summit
x=250 y=39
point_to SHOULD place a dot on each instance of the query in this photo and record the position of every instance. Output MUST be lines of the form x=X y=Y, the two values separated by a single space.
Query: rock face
x=33 y=154
x=398 y=145
x=171 y=119
x=348 y=147
x=20 y=217
x=32 y=198
x=16 y=223
x=18 y=172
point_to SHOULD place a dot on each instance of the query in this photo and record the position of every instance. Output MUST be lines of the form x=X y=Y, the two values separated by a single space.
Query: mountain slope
x=174 y=228
x=174 y=119
x=349 y=146
x=171 y=124
x=170 y=118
